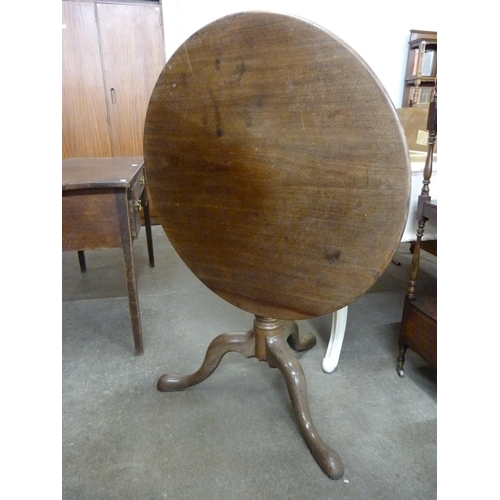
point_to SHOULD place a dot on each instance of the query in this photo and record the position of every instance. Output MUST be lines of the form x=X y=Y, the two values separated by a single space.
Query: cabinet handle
x=137 y=205
x=113 y=96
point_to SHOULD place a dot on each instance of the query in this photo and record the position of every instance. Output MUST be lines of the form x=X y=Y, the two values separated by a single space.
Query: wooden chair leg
x=81 y=260
x=147 y=224
x=332 y=355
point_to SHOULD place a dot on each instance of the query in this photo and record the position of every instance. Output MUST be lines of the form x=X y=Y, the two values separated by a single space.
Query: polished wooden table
x=281 y=176
x=102 y=200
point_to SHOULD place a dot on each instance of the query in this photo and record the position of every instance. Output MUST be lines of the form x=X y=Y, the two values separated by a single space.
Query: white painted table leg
x=331 y=359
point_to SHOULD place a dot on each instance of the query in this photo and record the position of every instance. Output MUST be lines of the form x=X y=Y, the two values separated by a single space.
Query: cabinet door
x=133 y=55
x=85 y=129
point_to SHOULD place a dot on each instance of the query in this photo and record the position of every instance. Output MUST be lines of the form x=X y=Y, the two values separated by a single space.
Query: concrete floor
x=234 y=436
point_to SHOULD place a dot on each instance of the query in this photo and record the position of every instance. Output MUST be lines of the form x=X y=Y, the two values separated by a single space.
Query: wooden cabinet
x=112 y=54
x=421 y=68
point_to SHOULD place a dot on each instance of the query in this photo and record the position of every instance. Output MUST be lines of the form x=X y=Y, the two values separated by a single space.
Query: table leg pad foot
x=296 y=341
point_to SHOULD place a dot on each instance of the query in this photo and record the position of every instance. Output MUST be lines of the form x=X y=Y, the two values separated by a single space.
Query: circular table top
x=277 y=165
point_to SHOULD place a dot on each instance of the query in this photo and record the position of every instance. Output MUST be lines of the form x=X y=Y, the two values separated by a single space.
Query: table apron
x=91 y=218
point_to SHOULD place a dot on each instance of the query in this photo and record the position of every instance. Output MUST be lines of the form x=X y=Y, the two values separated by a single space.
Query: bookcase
x=421 y=69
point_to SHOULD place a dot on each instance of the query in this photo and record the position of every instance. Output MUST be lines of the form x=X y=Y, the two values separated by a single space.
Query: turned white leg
x=331 y=359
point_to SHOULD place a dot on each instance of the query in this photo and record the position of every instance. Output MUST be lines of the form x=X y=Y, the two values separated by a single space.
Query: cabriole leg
x=331 y=359
x=282 y=358
x=227 y=342
x=295 y=340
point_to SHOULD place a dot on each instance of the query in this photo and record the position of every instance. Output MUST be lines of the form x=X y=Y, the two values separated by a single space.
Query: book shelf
x=421 y=69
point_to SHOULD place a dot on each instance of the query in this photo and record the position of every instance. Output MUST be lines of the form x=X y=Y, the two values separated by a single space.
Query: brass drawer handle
x=142 y=180
x=137 y=205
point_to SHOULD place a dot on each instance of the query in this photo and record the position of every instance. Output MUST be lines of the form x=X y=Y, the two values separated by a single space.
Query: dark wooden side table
x=101 y=203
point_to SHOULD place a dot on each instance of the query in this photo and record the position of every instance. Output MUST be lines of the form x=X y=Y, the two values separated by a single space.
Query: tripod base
x=266 y=343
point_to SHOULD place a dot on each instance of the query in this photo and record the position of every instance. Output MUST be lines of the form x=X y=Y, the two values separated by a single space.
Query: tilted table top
x=277 y=165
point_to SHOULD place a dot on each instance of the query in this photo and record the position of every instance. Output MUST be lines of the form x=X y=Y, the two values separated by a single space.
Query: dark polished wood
x=296 y=340
x=280 y=173
x=270 y=146
x=266 y=343
x=101 y=201
x=418 y=329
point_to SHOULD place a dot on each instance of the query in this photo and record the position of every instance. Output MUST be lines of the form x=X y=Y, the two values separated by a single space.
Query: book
x=421 y=96
x=425 y=95
x=414 y=95
x=428 y=59
x=415 y=62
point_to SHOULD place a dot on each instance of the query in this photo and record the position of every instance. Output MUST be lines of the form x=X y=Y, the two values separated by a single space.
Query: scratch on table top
x=188 y=61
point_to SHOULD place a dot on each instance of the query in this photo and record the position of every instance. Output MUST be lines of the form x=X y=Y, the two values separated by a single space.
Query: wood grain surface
x=277 y=165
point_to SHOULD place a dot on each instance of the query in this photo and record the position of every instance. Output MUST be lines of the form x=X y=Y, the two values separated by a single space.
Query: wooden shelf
x=421 y=68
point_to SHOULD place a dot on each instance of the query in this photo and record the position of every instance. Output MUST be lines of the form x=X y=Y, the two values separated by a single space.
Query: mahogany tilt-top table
x=280 y=173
